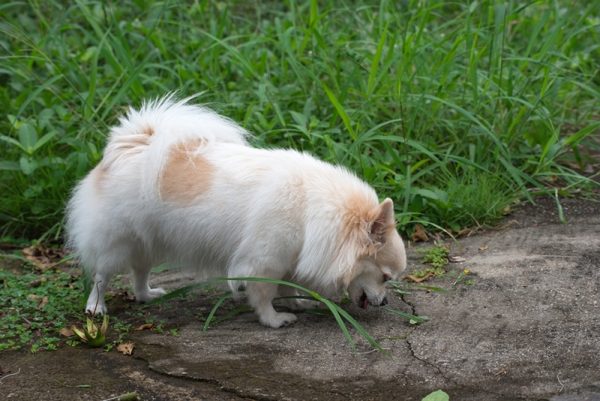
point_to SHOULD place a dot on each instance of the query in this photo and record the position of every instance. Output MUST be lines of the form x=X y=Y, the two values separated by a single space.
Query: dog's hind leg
x=141 y=288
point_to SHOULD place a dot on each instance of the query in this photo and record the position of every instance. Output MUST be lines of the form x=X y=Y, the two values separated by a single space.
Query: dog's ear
x=383 y=222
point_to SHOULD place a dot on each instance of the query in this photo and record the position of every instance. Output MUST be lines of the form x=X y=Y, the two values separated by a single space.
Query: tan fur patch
x=148 y=130
x=359 y=206
x=353 y=242
x=360 y=216
x=186 y=174
x=358 y=211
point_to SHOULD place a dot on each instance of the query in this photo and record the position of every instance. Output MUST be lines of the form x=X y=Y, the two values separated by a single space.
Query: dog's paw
x=96 y=308
x=278 y=320
x=149 y=295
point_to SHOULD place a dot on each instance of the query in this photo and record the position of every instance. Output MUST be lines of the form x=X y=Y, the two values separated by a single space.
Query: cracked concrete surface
x=527 y=328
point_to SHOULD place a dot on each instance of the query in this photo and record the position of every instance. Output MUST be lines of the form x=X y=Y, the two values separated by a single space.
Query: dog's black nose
x=384 y=302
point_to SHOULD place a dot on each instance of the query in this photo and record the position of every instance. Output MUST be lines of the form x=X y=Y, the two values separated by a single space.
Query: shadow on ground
x=526 y=328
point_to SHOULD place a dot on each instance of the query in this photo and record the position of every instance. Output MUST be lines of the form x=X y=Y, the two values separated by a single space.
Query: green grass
x=452 y=109
x=34 y=306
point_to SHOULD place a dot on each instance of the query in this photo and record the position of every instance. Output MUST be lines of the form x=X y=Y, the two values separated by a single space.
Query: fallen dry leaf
x=419 y=234
x=43 y=258
x=456 y=259
x=41 y=301
x=464 y=232
x=38 y=282
x=126 y=348
x=66 y=332
x=508 y=224
x=416 y=279
x=145 y=326
x=126 y=295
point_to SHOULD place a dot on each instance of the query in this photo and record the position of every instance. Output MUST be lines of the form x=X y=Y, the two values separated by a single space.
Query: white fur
x=264 y=213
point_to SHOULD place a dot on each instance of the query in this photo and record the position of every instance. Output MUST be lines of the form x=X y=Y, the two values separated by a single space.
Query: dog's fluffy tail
x=165 y=121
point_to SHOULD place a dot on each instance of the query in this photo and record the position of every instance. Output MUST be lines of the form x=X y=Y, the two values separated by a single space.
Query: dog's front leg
x=292 y=300
x=95 y=304
x=260 y=297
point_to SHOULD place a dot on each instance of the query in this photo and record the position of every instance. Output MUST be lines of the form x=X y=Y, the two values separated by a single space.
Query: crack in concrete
x=225 y=388
x=413 y=310
x=412 y=351
x=213 y=382
x=426 y=362
x=439 y=370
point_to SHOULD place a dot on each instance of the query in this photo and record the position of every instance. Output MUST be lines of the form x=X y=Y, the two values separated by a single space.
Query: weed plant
x=34 y=307
x=452 y=109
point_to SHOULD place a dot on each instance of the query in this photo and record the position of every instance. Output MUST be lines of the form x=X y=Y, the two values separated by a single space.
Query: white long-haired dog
x=179 y=184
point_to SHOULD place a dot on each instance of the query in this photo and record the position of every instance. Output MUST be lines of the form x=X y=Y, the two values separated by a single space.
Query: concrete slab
x=527 y=328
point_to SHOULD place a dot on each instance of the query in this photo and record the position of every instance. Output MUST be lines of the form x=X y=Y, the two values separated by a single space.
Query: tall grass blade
x=340 y=111
x=214 y=309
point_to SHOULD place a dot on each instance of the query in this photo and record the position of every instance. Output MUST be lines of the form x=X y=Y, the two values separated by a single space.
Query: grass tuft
x=451 y=109
x=34 y=306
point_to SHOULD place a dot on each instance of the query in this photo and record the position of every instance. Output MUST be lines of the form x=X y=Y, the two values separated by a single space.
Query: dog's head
x=379 y=256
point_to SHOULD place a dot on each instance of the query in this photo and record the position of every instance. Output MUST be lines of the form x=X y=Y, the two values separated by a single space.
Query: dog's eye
x=386 y=277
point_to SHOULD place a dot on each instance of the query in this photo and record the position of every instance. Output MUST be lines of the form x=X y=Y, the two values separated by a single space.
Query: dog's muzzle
x=363 y=302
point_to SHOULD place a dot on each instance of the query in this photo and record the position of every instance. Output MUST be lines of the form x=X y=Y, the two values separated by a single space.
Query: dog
x=179 y=184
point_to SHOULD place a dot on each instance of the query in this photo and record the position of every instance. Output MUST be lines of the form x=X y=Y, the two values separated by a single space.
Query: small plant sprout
x=437 y=257
x=91 y=334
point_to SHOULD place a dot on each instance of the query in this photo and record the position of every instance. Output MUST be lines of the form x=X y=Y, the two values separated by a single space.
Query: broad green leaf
x=27 y=165
x=438 y=395
x=43 y=140
x=27 y=137
x=12 y=141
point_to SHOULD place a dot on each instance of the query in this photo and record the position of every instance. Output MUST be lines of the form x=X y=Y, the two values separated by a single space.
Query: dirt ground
x=527 y=327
